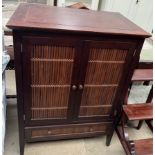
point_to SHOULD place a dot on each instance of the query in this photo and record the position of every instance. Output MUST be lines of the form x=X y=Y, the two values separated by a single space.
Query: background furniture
x=71 y=75
x=78 y=6
x=5 y=60
x=91 y=4
x=140 y=111
x=146 y=76
x=135 y=112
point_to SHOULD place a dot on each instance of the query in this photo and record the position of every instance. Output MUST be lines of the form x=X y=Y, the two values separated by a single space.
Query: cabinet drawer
x=66 y=131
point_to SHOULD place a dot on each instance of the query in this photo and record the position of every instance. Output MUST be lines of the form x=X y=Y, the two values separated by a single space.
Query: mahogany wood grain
x=138 y=111
x=67 y=19
x=74 y=129
x=134 y=147
x=145 y=65
x=144 y=147
x=70 y=130
x=142 y=75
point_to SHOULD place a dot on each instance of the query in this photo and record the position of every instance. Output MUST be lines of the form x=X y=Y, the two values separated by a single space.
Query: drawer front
x=66 y=131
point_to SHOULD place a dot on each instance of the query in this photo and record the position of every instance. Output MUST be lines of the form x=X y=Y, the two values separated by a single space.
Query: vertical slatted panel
x=52 y=96
x=103 y=74
x=51 y=71
x=94 y=110
x=97 y=95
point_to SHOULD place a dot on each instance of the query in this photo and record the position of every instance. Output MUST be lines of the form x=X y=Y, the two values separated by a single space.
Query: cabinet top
x=43 y=17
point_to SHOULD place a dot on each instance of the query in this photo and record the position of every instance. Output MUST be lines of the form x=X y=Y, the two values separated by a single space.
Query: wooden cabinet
x=71 y=72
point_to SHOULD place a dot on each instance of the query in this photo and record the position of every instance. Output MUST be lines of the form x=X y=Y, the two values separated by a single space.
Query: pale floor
x=86 y=146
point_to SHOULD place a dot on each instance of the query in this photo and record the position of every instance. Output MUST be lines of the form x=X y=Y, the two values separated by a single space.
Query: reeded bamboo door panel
x=49 y=66
x=106 y=65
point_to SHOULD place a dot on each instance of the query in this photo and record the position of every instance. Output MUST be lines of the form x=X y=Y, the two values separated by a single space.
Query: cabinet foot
x=21 y=148
x=108 y=139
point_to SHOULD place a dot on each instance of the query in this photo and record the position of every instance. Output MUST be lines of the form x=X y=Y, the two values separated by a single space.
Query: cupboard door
x=49 y=73
x=107 y=64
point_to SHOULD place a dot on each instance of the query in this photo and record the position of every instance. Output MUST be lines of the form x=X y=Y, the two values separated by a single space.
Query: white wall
x=141 y=12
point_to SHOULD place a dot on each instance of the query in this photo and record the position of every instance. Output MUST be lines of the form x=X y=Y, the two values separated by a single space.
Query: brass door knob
x=74 y=87
x=81 y=87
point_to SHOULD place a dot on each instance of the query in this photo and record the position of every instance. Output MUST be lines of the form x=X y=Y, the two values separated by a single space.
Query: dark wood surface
x=144 y=147
x=134 y=147
x=142 y=75
x=138 y=111
x=103 y=54
x=145 y=65
x=148 y=100
x=19 y=87
x=55 y=2
x=69 y=130
x=43 y=17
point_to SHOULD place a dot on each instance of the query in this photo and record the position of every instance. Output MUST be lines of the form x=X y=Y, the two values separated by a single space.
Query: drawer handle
x=81 y=87
x=49 y=132
x=74 y=87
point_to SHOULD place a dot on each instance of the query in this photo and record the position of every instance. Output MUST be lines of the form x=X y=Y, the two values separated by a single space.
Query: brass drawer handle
x=81 y=87
x=74 y=87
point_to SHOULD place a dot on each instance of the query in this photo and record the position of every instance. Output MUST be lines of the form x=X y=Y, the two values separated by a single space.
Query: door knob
x=74 y=87
x=81 y=87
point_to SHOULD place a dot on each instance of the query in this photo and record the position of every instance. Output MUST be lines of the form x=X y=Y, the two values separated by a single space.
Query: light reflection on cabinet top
x=43 y=17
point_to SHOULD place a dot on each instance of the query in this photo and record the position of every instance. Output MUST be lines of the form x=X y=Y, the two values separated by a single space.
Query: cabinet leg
x=108 y=140
x=109 y=137
x=21 y=147
x=111 y=129
x=140 y=125
x=110 y=134
x=21 y=140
